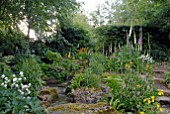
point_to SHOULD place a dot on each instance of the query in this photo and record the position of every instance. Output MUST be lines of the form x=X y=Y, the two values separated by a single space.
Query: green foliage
x=12 y=41
x=15 y=95
x=38 y=13
x=4 y=68
x=53 y=56
x=86 y=79
x=32 y=72
x=96 y=63
x=110 y=37
x=14 y=103
x=114 y=81
x=132 y=92
x=59 y=67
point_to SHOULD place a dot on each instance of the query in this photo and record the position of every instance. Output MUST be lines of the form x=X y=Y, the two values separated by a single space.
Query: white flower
x=6 y=78
x=9 y=81
x=19 y=90
x=6 y=81
x=14 y=79
x=28 y=97
x=16 y=85
x=24 y=87
x=24 y=78
x=22 y=92
x=2 y=84
x=21 y=74
x=19 y=79
x=3 y=76
x=14 y=75
x=29 y=84
x=29 y=91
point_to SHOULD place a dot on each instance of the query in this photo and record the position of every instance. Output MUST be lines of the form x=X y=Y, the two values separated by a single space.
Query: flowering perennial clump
x=15 y=82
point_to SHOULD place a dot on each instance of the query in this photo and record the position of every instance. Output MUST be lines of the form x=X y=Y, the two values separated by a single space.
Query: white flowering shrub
x=15 y=82
x=15 y=96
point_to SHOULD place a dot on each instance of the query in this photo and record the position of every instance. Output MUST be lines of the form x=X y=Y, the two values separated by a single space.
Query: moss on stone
x=51 y=94
x=78 y=108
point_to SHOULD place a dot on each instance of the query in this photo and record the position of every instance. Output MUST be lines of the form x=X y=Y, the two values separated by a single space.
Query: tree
x=37 y=12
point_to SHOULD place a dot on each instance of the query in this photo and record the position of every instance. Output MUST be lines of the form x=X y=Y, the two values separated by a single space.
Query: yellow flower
x=147 y=66
x=127 y=66
x=158 y=105
x=153 y=98
x=144 y=100
x=161 y=92
x=149 y=101
x=142 y=113
x=160 y=109
x=138 y=86
x=131 y=62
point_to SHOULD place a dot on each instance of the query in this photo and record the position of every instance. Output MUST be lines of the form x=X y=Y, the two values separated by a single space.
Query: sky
x=90 y=5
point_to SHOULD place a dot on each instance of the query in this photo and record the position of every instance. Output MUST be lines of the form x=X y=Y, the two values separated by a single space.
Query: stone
x=51 y=81
x=45 y=104
x=87 y=95
x=48 y=94
x=80 y=108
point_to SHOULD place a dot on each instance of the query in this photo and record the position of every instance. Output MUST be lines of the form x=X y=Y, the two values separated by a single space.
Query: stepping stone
x=159 y=80
x=163 y=100
x=159 y=71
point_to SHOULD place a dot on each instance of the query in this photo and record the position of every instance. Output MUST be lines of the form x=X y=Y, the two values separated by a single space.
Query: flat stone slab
x=159 y=71
x=163 y=100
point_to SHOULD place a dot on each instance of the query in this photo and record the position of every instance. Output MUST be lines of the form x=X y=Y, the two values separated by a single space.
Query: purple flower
x=140 y=39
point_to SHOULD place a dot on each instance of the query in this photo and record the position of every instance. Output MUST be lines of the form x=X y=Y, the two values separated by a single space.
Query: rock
x=67 y=90
x=48 y=94
x=51 y=81
x=87 y=95
x=79 y=108
x=163 y=100
x=45 y=104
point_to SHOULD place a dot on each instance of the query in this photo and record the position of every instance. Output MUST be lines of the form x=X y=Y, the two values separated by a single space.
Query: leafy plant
x=132 y=92
x=32 y=72
x=53 y=56
x=96 y=63
x=86 y=79
x=15 y=96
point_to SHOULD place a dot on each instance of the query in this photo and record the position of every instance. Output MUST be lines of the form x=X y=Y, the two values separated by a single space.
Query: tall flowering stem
x=140 y=40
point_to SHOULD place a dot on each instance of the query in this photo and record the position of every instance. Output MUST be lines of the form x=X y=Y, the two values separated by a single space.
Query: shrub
x=53 y=56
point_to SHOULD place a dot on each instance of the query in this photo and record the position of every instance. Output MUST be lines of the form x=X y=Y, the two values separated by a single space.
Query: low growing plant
x=132 y=92
x=15 y=96
x=86 y=79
